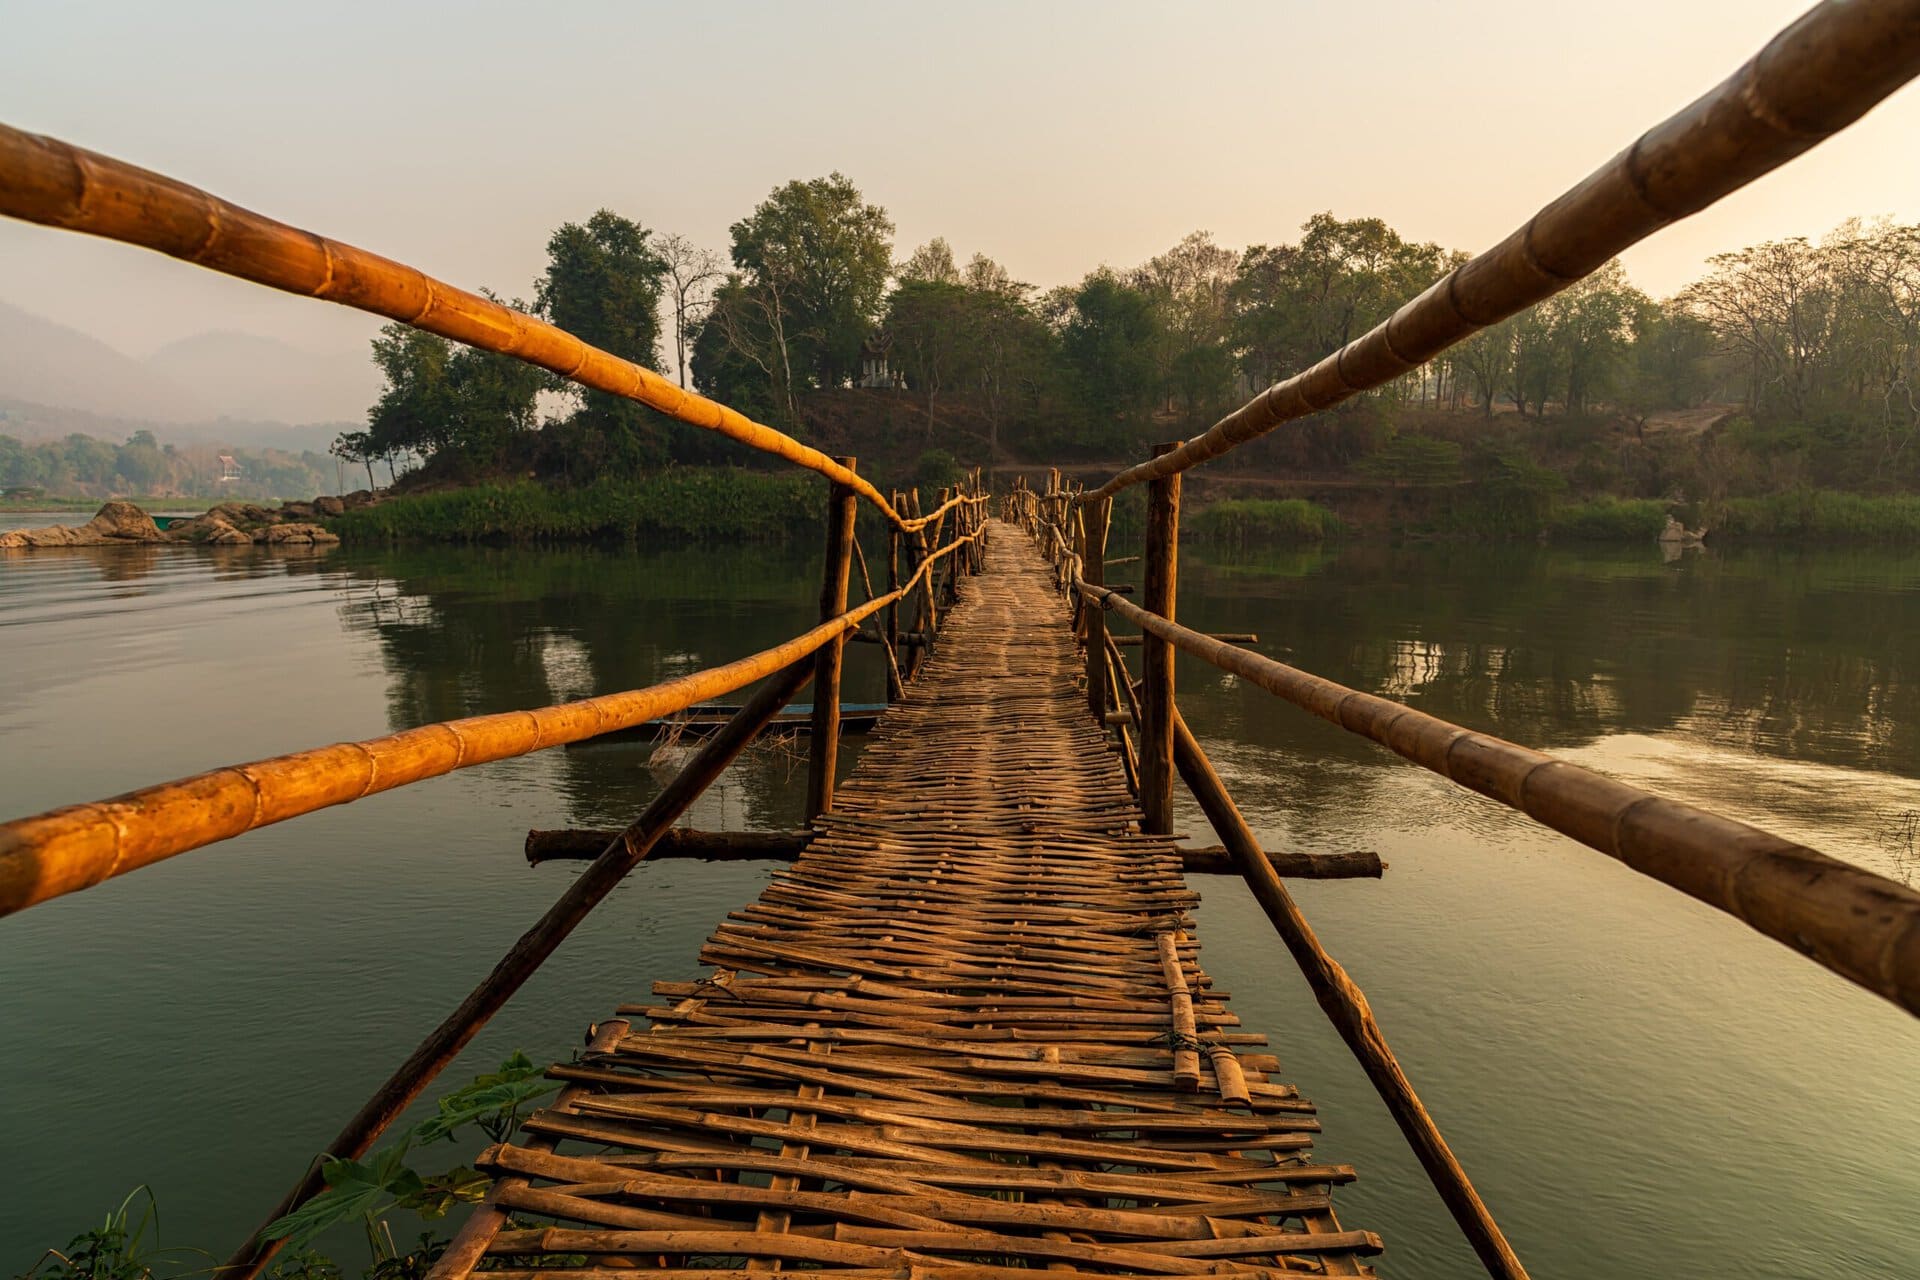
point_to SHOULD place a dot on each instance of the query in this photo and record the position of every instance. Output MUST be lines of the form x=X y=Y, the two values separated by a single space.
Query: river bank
x=691 y=505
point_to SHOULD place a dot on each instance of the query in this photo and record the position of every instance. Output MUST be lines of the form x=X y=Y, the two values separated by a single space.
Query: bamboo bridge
x=966 y=1034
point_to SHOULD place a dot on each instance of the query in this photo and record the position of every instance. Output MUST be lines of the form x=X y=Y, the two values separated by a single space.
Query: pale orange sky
x=1054 y=137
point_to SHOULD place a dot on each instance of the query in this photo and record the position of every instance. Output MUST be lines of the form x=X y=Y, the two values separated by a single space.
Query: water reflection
x=469 y=631
x=1805 y=656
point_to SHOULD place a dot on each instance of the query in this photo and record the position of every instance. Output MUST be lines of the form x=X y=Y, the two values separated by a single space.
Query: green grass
x=1821 y=515
x=683 y=504
x=1265 y=522
x=1609 y=519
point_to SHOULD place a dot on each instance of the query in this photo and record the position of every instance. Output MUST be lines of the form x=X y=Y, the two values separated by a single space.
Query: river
x=1638 y=1084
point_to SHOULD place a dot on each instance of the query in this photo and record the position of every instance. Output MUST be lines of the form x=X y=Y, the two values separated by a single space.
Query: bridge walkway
x=966 y=1035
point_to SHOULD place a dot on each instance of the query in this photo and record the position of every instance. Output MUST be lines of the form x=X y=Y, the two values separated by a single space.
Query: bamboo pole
x=1811 y=80
x=823 y=747
x=1093 y=570
x=584 y=845
x=446 y=1040
x=1346 y=1007
x=1117 y=679
x=65 y=850
x=1864 y=927
x=1160 y=590
x=895 y=685
x=1184 y=1038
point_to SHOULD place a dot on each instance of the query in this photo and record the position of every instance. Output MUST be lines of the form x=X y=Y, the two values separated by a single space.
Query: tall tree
x=1108 y=336
x=931 y=263
x=693 y=275
x=816 y=257
x=1190 y=284
x=603 y=284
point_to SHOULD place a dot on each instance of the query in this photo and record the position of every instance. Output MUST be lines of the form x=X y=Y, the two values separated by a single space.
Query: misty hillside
x=249 y=376
x=214 y=388
x=46 y=363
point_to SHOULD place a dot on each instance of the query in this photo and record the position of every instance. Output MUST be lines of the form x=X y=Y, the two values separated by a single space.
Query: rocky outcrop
x=116 y=522
x=228 y=524
x=308 y=534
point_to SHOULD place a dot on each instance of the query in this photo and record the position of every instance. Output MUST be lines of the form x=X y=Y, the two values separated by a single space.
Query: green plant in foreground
x=120 y=1248
x=366 y=1191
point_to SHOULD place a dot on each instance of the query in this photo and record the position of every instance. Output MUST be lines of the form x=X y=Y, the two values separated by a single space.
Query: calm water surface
x=1639 y=1085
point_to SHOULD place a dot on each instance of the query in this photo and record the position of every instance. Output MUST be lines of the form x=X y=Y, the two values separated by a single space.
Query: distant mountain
x=249 y=376
x=214 y=388
x=46 y=363
x=24 y=420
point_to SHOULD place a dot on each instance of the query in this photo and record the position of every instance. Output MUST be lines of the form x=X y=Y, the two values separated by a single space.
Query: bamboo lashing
x=1184 y=1037
x=1811 y=80
x=56 y=184
x=79 y=846
x=1862 y=926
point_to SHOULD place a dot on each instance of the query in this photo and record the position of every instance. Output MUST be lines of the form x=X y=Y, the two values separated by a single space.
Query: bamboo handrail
x=1819 y=75
x=1862 y=926
x=56 y=184
x=76 y=847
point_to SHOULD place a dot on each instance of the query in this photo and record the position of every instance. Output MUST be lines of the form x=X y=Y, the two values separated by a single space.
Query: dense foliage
x=1789 y=367
x=82 y=466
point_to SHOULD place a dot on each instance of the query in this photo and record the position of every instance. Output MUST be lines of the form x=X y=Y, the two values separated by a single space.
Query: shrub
x=689 y=504
x=1609 y=520
x=1245 y=522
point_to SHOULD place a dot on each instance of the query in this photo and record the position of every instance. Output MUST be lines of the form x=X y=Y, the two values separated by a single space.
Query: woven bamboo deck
x=965 y=1035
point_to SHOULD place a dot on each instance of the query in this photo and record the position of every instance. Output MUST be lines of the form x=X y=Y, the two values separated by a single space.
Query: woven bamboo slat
x=1811 y=81
x=964 y=1034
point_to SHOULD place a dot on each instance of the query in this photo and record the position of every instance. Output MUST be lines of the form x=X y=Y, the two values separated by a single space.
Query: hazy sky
x=1052 y=136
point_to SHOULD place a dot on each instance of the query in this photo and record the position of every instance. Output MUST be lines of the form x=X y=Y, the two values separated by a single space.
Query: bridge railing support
x=823 y=747
x=1093 y=620
x=1160 y=587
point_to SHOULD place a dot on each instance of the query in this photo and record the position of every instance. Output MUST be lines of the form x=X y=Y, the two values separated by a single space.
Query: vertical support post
x=1159 y=574
x=923 y=620
x=1094 y=571
x=936 y=598
x=843 y=504
x=893 y=610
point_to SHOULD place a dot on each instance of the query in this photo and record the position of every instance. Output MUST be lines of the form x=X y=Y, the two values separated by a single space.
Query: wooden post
x=444 y=1043
x=823 y=753
x=1346 y=1007
x=1094 y=571
x=1156 y=655
x=893 y=610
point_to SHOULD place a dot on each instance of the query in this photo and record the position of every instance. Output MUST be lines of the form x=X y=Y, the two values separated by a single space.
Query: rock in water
x=116 y=522
x=123 y=522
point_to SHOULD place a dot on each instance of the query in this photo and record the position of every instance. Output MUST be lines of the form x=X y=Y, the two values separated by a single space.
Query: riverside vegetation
x=1776 y=396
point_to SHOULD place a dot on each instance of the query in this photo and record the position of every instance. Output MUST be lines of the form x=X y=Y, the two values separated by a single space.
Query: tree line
x=82 y=465
x=1818 y=342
